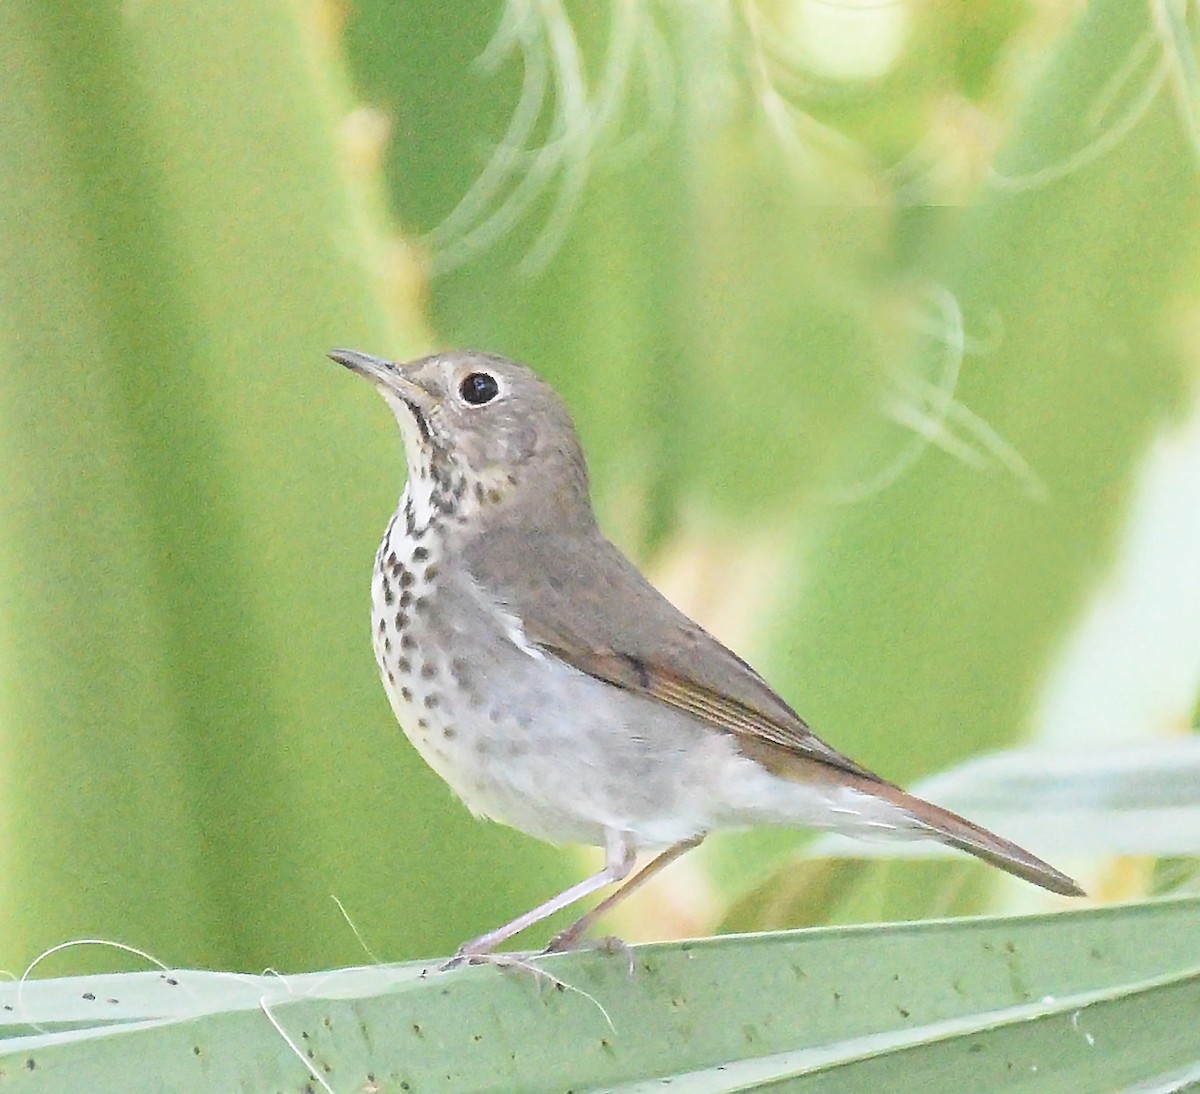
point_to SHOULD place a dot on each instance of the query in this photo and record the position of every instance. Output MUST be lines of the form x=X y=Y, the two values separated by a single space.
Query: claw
x=522 y=962
x=567 y=941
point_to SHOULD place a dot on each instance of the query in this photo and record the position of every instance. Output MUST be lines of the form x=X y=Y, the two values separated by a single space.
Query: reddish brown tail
x=959 y=832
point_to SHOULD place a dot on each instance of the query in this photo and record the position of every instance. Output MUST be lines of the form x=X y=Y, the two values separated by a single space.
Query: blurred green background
x=869 y=315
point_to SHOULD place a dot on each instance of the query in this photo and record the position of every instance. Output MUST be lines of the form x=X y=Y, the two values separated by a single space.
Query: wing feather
x=756 y=728
x=578 y=598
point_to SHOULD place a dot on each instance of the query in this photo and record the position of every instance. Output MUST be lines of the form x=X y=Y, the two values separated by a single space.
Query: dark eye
x=478 y=388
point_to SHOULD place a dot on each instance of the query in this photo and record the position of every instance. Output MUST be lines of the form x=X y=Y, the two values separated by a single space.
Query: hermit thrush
x=538 y=672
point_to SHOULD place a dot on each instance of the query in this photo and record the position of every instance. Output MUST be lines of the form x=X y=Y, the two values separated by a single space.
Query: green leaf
x=1076 y=1002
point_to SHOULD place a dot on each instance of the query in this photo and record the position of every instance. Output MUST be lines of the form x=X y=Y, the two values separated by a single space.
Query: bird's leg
x=620 y=859
x=568 y=938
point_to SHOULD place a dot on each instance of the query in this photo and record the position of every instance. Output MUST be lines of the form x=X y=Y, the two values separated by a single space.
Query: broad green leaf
x=1077 y=1001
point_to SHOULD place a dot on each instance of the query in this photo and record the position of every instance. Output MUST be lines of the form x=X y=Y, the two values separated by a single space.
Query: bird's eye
x=478 y=388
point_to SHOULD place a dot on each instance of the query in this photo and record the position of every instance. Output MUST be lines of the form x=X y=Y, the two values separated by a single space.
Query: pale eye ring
x=478 y=388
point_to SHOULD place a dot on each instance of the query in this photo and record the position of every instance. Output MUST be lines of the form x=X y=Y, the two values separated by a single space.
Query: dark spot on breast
x=449 y=733
x=392 y=559
x=406 y=598
x=460 y=670
x=404 y=665
x=494 y=496
x=406 y=580
x=431 y=702
x=401 y=621
x=405 y=693
x=391 y=678
x=388 y=595
x=421 y=604
x=428 y=670
x=420 y=554
x=407 y=643
x=431 y=571
x=422 y=723
x=382 y=624
x=387 y=645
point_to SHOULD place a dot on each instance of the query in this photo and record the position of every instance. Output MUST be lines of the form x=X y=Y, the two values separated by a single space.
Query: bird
x=555 y=690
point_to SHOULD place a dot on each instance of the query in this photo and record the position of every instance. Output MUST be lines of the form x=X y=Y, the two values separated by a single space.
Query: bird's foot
x=498 y=959
x=464 y=956
x=569 y=940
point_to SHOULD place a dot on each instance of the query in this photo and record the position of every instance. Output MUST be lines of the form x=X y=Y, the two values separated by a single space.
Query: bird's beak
x=386 y=375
